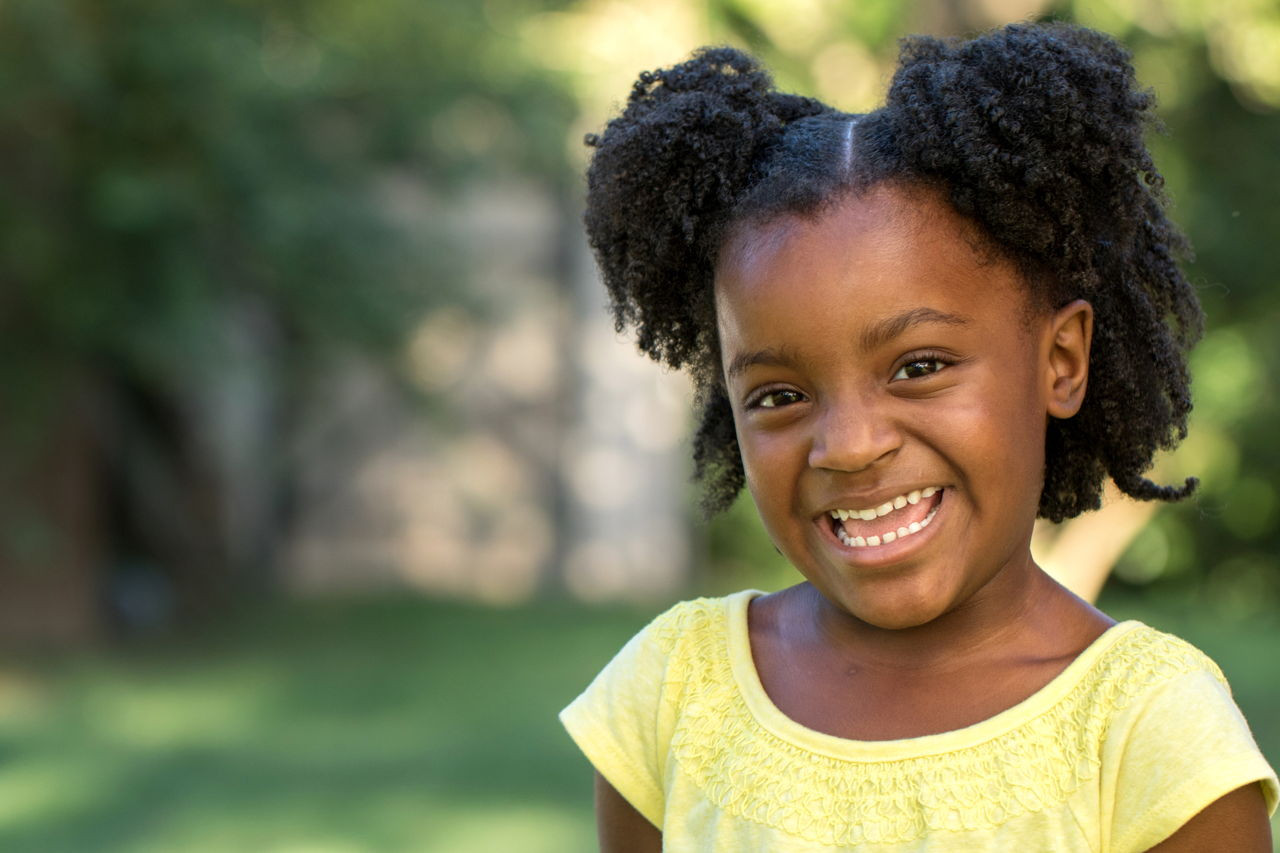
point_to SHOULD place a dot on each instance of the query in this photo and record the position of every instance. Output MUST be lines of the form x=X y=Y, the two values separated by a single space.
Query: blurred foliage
x=181 y=177
x=1222 y=548
x=164 y=159
x=206 y=193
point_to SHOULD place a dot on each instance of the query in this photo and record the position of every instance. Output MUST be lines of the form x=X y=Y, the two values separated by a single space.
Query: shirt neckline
x=769 y=716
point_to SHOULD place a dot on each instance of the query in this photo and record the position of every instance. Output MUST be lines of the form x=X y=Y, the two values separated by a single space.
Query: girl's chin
x=889 y=617
x=888 y=609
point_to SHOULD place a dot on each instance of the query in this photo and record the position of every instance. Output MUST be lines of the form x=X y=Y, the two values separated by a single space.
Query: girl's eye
x=775 y=399
x=918 y=368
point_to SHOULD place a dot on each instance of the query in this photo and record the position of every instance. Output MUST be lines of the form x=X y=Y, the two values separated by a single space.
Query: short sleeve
x=621 y=722
x=1180 y=748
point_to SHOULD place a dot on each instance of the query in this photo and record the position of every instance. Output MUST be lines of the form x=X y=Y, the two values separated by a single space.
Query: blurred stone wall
x=531 y=450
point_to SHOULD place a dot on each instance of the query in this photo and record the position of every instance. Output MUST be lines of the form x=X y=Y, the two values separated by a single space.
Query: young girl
x=892 y=319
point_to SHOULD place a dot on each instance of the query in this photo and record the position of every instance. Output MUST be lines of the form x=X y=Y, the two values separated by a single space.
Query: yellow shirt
x=1131 y=740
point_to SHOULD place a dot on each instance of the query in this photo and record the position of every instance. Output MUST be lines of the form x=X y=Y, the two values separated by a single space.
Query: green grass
x=348 y=727
x=368 y=726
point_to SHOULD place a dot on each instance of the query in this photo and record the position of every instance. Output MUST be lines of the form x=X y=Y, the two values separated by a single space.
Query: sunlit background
x=325 y=480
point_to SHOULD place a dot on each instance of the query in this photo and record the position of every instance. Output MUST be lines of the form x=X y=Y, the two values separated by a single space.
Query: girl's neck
x=834 y=674
x=1021 y=611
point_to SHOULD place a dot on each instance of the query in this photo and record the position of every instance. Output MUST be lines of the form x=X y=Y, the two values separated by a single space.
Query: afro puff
x=1033 y=132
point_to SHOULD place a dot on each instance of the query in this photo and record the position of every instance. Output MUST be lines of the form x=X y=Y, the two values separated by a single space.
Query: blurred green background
x=324 y=479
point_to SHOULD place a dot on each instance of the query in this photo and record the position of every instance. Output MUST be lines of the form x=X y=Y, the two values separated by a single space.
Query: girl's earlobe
x=1070 y=336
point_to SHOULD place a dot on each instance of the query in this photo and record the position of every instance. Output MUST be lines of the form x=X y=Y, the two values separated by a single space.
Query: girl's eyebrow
x=877 y=335
x=773 y=357
x=889 y=328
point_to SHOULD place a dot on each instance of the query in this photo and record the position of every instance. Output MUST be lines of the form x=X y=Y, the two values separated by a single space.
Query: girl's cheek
x=760 y=445
x=757 y=451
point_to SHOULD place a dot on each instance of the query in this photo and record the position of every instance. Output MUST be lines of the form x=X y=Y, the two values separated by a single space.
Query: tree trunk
x=51 y=544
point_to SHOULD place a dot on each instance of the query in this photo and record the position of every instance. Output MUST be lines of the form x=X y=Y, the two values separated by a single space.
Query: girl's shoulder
x=1170 y=739
x=695 y=620
x=1137 y=657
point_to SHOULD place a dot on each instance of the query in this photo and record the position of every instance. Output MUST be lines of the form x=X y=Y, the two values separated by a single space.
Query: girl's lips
x=886 y=545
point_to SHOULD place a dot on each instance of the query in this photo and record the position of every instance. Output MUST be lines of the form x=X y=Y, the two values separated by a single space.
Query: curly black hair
x=1034 y=132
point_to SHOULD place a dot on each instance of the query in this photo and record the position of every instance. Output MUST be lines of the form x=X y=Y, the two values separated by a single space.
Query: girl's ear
x=1069 y=336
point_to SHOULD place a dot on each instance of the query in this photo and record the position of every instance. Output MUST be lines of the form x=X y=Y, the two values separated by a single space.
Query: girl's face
x=885 y=368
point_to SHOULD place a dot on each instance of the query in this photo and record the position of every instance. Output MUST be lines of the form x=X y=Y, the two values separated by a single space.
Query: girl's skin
x=874 y=349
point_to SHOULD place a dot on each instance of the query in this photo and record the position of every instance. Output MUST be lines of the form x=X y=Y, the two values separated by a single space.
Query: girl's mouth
x=899 y=518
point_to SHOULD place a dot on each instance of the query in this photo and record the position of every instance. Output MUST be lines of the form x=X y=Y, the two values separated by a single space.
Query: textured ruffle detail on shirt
x=752 y=773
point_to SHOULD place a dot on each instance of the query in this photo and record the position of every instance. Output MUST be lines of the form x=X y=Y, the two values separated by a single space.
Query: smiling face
x=890 y=388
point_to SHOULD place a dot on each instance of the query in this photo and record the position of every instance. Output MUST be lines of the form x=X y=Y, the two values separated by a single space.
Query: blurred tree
x=202 y=201
x=207 y=202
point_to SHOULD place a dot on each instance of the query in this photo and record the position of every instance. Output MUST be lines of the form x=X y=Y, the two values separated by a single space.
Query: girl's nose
x=852 y=437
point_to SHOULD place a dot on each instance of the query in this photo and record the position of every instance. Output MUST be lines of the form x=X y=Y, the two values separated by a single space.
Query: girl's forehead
x=889 y=249
x=913 y=217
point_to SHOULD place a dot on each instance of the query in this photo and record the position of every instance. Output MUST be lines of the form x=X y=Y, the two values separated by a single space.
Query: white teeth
x=890 y=536
x=913 y=497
